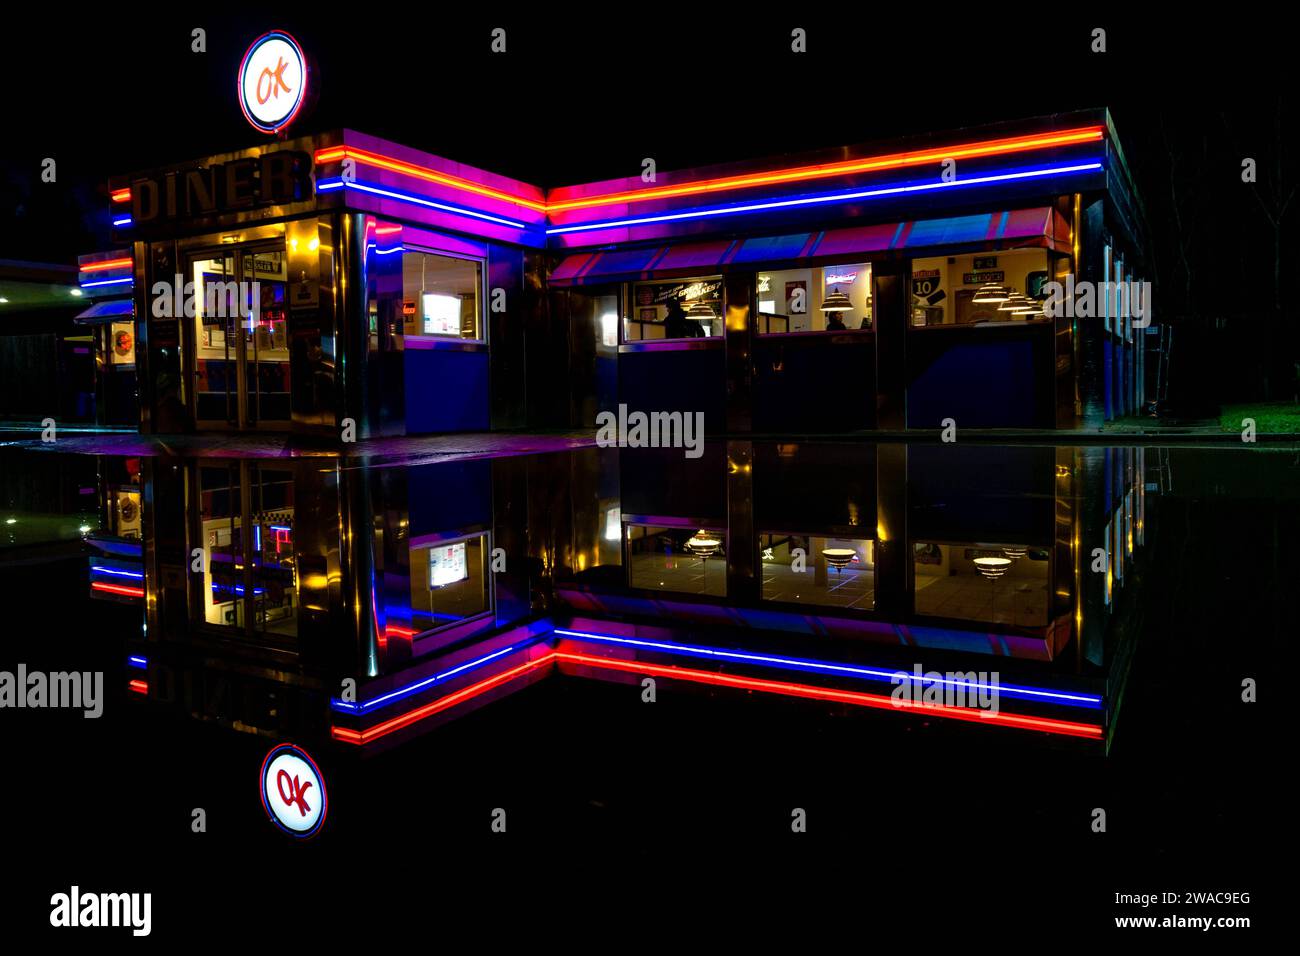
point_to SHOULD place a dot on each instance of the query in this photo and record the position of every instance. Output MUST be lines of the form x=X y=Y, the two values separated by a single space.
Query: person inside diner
x=677 y=325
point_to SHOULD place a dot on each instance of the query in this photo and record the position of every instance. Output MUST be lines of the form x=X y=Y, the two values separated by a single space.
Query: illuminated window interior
x=830 y=572
x=686 y=560
x=994 y=583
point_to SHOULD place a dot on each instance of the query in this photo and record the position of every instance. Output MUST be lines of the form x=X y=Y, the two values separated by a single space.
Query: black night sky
x=586 y=95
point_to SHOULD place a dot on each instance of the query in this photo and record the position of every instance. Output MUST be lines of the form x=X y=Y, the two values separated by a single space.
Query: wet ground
x=627 y=820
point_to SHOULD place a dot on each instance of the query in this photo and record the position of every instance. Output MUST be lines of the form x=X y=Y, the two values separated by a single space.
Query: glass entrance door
x=245 y=523
x=241 y=364
x=266 y=338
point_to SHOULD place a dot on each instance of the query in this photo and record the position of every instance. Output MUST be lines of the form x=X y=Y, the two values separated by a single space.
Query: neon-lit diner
x=884 y=285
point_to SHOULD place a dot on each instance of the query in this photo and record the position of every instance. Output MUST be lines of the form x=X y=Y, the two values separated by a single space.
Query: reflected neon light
x=138 y=575
x=784 y=688
x=123 y=221
x=827 y=667
x=365 y=707
x=857 y=698
x=139 y=686
x=117 y=589
x=99 y=282
x=836 y=197
x=350 y=736
x=327 y=185
x=139 y=662
x=121 y=195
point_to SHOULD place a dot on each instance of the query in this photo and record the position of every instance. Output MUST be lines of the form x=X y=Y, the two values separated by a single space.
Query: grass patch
x=1272 y=417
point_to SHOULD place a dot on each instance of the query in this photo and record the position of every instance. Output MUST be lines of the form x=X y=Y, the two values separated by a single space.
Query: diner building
x=805 y=570
x=886 y=285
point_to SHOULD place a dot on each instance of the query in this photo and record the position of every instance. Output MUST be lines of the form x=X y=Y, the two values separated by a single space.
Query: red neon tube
x=442 y=703
x=107 y=264
x=1067 y=727
x=990 y=147
x=784 y=688
x=139 y=686
x=117 y=589
x=336 y=153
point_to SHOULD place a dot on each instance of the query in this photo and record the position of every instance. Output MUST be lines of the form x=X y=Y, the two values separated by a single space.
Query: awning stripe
x=1022 y=225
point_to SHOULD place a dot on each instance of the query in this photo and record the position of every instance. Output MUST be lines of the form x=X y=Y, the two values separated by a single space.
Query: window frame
x=480 y=299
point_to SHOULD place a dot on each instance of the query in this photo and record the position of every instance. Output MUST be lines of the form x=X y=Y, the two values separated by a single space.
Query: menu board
x=447 y=565
x=441 y=314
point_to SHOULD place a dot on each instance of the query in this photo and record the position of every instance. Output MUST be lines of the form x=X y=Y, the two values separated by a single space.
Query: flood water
x=500 y=615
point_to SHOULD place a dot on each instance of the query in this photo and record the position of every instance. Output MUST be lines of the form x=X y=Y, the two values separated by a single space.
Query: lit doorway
x=240 y=334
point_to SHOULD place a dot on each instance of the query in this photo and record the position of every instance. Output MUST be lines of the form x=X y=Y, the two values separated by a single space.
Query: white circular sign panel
x=272 y=81
x=293 y=790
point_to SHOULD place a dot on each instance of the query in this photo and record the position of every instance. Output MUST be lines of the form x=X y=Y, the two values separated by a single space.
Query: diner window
x=440 y=297
x=686 y=560
x=979 y=289
x=815 y=299
x=830 y=572
x=996 y=584
x=681 y=309
x=449 y=582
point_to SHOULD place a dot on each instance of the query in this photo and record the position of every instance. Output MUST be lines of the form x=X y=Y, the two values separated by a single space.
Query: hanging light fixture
x=992 y=567
x=839 y=558
x=703 y=543
x=1014 y=301
x=1016 y=551
x=837 y=301
x=990 y=293
x=700 y=309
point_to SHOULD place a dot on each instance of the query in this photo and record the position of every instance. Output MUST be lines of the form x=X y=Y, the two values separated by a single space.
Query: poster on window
x=122 y=339
x=447 y=565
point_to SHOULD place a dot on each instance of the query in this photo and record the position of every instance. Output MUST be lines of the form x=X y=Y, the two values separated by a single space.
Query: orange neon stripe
x=121 y=195
x=992 y=147
x=107 y=264
x=335 y=153
x=842 y=696
x=139 y=686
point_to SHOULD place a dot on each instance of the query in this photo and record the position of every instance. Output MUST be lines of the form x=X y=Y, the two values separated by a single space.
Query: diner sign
x=293 y=791
x=278 y=177
x=272 y=81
